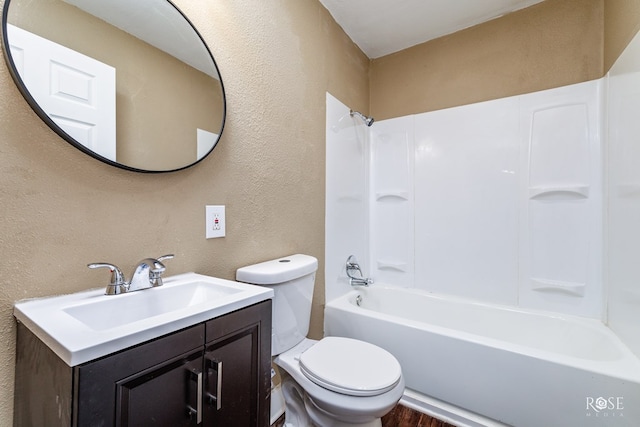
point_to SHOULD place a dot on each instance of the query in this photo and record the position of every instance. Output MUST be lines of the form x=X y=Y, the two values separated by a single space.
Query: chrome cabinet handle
x=196 y=377
x=216 y=366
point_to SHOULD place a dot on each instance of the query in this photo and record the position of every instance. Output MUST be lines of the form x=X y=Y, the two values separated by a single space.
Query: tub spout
x=364 y=281
x=354 y=273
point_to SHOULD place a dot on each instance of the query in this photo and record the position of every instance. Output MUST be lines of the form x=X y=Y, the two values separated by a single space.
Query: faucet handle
x=117 y=284
x=158 y=269
x=164 y=257
x=357 y=279
x=352 y=265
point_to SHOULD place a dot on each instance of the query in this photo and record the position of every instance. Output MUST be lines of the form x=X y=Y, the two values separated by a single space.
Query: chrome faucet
x=353 y=267
x=147 y=274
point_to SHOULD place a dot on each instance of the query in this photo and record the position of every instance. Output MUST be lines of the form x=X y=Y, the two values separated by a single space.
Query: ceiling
x=381 y=27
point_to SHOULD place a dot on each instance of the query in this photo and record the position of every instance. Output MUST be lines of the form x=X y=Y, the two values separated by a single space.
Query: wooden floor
x=400 y=416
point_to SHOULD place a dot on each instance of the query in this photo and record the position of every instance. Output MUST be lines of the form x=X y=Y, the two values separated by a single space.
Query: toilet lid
x=351 y=367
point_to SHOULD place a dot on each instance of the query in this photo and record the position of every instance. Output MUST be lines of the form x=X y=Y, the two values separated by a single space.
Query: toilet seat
x=350 y=367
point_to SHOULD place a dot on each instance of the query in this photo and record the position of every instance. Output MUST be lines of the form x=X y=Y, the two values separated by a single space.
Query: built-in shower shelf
x=391 y=265
x=559 y=192
x=403 y=195
x=570 y=288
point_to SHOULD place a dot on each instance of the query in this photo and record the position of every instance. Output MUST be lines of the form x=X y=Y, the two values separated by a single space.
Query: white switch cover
x=215 y=221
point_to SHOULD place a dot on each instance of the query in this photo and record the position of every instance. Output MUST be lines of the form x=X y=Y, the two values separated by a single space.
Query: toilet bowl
x=343 y=392
x=335 y=381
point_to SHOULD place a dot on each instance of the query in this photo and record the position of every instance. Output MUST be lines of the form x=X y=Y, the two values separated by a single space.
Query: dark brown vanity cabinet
x=215 y=373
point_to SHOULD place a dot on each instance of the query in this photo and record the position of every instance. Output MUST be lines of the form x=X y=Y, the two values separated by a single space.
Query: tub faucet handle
x=354 y=273
x=352 y=264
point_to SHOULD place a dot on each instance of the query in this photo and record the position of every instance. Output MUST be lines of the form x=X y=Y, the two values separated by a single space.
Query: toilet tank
x=292 y=279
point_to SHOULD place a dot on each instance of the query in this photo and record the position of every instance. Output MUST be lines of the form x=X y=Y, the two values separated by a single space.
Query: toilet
x=333 y=382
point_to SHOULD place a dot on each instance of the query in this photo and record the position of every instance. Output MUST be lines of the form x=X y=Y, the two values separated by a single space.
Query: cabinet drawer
x=242 y=319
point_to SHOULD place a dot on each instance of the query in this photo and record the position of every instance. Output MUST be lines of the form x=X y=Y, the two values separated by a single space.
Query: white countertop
x=87 y=325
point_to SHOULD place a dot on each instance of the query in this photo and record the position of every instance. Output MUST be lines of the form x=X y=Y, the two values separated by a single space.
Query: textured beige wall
x=621 y=23
x=553 y=43
x=62 y=209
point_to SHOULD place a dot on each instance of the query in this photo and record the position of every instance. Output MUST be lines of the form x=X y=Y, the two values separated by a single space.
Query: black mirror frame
x=43 y=115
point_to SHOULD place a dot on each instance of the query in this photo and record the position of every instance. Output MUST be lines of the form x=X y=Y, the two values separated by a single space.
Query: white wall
x=391 y=199
x=346 y=205
x=503 y=202
x=499 y=201
x=561 y=208
x=467 y=201
x=624 y=196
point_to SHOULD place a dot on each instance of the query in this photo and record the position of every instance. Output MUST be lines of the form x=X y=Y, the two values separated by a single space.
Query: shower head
x=367 y=120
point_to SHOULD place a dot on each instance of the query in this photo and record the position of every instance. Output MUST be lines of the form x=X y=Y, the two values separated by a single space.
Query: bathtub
x=476 y=364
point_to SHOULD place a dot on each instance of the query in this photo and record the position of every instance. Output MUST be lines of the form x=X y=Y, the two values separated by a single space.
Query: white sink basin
x=84 y=326
x=107 y=313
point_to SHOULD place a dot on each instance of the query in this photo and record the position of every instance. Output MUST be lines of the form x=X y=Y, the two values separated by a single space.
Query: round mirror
x=131 y=83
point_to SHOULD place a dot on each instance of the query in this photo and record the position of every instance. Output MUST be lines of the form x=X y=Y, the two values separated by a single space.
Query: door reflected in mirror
x=131 y=83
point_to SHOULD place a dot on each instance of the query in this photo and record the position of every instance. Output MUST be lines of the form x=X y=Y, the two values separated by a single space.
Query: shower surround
x=529 y=202
x=499 y=201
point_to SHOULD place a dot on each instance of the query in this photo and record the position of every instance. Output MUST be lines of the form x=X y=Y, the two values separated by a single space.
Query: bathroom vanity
x=215 y=372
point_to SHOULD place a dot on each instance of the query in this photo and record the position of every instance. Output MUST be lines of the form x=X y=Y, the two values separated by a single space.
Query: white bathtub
x=479 y=364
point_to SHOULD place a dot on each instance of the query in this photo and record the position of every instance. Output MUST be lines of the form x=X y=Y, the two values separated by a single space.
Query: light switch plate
x=215 y=221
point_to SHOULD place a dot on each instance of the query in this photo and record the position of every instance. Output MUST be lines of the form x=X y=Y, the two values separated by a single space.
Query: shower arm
x=368 y=120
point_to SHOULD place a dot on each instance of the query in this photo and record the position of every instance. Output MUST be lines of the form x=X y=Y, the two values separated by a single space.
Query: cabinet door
x=231 y=382
x=237 y=364
x=166 y=395
x=124 y=378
